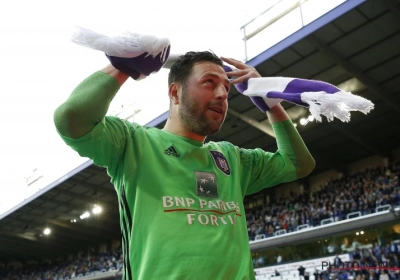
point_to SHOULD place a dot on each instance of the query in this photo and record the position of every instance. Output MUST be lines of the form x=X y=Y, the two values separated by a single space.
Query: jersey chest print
x=205 y=208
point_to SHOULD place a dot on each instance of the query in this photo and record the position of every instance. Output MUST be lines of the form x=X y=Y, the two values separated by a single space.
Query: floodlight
x=97 y=209
x=84 y=215
x=303 y=121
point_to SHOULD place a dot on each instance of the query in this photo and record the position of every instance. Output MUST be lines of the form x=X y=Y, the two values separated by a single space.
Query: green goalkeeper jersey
x=180 y=200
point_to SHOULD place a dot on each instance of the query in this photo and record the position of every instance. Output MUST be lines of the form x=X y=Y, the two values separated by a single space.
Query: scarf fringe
x=336 y=105
x=126 y=45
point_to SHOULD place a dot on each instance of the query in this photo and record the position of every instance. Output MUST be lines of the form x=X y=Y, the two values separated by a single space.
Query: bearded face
x=203 y=118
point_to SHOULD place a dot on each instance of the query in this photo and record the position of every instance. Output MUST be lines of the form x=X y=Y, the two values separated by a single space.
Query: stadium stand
x=354 y=45
x=366 y=192
x=97 y=266
x=374 y=187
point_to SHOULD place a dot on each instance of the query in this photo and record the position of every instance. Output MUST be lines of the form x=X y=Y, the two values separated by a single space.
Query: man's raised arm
x=130 y=54
x=88 y=103
x=288 y=139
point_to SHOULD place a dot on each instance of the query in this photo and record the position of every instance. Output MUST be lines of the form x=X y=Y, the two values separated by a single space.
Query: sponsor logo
x=206 y=184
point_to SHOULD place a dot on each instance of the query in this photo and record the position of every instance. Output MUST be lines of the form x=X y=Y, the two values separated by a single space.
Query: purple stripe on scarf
x=302 y=85
x=227 y=68
x=241 y=87
x=291 y=97
x=296 y=87
x=260 y=103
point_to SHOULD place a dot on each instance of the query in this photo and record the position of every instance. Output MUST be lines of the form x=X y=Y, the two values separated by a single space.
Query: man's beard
x=194 y=116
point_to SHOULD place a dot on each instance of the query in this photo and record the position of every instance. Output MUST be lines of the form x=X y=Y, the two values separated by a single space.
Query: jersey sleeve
x=105 y=144
x=265 y=169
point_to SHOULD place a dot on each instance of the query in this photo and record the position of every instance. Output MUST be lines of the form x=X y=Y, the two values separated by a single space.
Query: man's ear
x=173 y=93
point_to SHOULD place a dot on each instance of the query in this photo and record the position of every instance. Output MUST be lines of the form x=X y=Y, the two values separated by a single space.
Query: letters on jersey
x=205 y=206
x=203 y=211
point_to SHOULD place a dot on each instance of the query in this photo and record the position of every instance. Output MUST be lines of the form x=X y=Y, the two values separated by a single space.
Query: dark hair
x=182 y=68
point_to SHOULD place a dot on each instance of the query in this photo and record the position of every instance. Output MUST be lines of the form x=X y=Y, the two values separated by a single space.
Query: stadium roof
x=357 y=43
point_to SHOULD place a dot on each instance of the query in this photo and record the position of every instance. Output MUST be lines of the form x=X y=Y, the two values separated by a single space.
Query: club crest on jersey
x=221 y=162
x=206 y=184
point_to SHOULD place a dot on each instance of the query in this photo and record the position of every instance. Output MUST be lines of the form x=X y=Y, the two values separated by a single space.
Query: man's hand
x=242 y=73
x=240 y=76
x=141 y=66
x=137 y=55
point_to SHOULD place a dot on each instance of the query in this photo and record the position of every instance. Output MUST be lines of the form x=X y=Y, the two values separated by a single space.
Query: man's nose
x=222 y=93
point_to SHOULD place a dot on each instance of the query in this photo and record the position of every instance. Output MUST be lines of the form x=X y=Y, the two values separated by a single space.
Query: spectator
x=301 y=270
x=317 y=274
x=384 y=275
x=337 y=261
x=393 y=248
x=278 y=259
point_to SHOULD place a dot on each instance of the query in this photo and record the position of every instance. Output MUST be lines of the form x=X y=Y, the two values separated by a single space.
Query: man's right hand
x=141 y=66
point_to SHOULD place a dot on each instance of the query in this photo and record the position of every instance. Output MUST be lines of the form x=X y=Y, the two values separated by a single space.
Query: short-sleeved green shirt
x=181 y=201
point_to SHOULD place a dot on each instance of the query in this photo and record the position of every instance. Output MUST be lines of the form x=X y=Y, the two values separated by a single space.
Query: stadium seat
x=300 y=227
x=279 y=232
x=353 y=215
x=259 y=236
x=383 y=208
x=327 y=221
x=261 y=277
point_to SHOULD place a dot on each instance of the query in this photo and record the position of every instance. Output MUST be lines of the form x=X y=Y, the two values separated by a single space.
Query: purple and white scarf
x=137 y=55
x=319 y=97
x=140 y=55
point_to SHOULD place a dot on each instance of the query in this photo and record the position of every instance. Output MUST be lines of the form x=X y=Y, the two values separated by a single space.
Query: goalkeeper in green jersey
x=180 y=199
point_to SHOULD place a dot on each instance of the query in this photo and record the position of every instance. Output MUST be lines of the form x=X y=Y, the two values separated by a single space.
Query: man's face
x=204 y=99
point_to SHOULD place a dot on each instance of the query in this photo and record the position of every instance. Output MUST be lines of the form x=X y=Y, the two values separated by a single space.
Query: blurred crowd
x=361 y=192
x=82 y=266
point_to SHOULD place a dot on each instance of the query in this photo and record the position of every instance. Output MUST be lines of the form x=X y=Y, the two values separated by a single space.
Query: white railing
x=280 y=232
x=279 y=21
x=353 y=215
x=327 y=221
x=383 y=208
x=259 y=236
x=300 y=227
x=393 y=210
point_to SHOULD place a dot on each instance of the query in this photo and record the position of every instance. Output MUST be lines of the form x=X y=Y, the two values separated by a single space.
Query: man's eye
x=209 y=81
